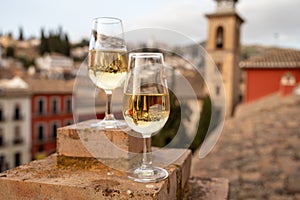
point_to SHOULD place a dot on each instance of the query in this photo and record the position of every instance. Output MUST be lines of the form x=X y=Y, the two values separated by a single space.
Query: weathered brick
x=44 y=179
x=82 y=140
x=293 y=182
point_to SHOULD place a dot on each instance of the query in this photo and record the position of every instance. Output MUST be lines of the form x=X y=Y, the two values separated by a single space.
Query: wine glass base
x=154 y=174
x=109 y=124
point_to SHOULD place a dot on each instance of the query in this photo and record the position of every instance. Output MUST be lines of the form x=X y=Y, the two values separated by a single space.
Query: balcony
x=18 y=117
x=2 y=119
x=18 y=141
x=2 y=144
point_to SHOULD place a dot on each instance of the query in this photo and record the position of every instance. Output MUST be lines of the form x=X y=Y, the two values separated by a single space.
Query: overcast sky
x=268 y=22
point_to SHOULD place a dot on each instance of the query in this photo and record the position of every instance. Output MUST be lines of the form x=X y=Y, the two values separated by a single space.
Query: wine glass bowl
x=146 y=107
x=107 y=62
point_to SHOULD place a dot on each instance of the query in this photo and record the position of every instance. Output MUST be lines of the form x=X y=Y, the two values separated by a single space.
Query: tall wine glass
x=107 y=62
x=146 y=107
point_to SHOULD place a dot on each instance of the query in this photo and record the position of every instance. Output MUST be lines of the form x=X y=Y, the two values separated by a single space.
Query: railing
x=2 y=119
x=18 y=141
x=2 y=144
x=18 y=117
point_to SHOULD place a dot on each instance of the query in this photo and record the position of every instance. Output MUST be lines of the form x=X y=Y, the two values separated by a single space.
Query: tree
x=25 y=61
x=10 y=52
x=10 y=36
x=169 y=131
x=55 y=42
x=21 y=34
x=67 y=46
x=44 y=47
x=204 y=122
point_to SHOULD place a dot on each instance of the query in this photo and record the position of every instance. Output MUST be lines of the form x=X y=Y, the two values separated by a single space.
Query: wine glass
x=107 y=63
x=146 y=108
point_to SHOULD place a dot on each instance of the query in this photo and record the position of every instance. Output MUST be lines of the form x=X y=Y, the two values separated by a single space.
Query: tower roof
x=226 y=5
x=226 y=0
x=225 y=8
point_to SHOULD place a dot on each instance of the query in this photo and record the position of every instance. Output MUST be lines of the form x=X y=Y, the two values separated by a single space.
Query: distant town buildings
x=80 y=53
x=26 y=48
x=36 y=99
x=15 y=123
x=51 y=108
x=1 y=53
x=55 y=66
x=276 y=71
x=31 y=110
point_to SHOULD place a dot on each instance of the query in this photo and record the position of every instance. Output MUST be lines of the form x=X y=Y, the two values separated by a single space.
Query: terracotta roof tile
x=37 y=85
x=277 y=58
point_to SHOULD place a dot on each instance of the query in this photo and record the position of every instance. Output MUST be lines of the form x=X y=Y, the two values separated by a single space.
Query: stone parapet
x=43 y=179
x=84 y=140
x=93 y=164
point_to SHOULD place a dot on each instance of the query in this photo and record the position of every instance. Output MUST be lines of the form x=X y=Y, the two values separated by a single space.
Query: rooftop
x=276 y=58
x=38 y=85
x=14 y=92
x=258 y=150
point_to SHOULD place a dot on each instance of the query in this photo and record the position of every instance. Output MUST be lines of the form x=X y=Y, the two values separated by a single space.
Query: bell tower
x=223 y=46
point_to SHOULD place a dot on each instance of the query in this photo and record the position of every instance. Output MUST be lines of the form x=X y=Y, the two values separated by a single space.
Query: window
x=1 y=137
x=41 y=132
x=54 y=129
x=288 y=79
x=1 y=114
x=17 y=159
x=68 y=122
x=2 y=163
x=217 y=90
x=41 y=106
x=219 y=67
x=220 y=38
x=68 y=105
x=17 y=137
x=41 y=153
x=17 y=113
x=41 y=149
x=54 y=105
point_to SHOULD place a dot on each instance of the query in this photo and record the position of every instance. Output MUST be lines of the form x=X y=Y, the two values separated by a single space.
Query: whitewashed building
x=54 y=65
x=15 y=123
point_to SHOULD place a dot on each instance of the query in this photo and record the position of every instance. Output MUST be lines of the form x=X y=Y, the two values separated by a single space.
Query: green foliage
x=25 y=61
x=44 y=47
x=82 y=43
x=169 y=131
x=21 y=34
x=66 y=45
x=55 y=42
x=10 y=52
x=10 y=35
x=204 y=122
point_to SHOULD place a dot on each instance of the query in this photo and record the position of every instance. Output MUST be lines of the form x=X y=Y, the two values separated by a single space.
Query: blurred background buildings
x=38 y=76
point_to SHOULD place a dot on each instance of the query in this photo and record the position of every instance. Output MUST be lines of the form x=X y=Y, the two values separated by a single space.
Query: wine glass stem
x=108 y=112
x=147 y=154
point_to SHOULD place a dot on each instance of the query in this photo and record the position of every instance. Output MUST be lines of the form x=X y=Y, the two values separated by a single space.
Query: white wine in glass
x=146 y=108
x=107 y=69
x=146 y=113
x=107 y=63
